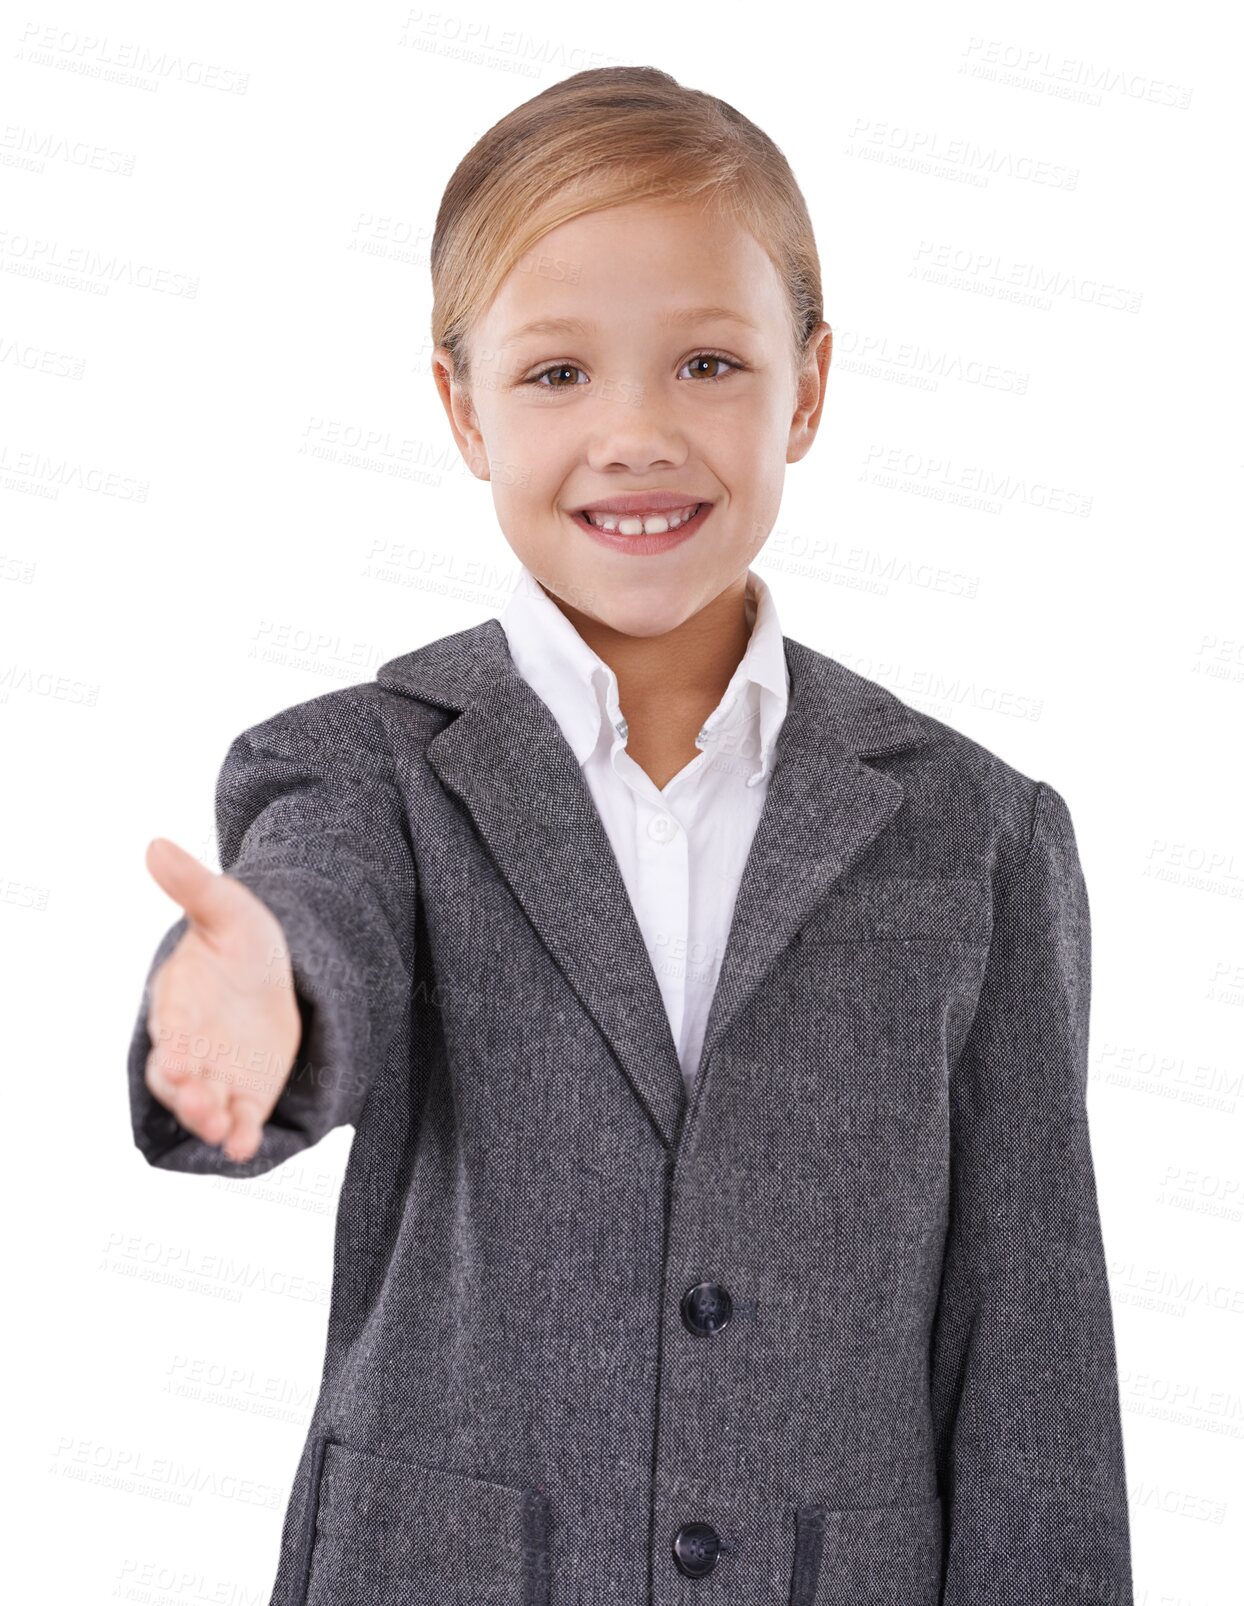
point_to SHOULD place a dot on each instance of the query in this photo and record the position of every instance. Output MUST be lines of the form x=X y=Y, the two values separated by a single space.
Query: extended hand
x=223 y=1015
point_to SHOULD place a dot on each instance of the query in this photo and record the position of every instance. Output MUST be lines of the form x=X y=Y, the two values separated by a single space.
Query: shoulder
x=416 y=690
x=956 y=788
x=1023 y=817
x=343 y=728
x=980 y=776
x=410 y=699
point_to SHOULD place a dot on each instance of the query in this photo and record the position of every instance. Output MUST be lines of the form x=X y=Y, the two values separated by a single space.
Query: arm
x=1023 y=1367
x=309 y=817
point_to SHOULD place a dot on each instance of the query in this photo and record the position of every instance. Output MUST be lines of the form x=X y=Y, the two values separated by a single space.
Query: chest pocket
x=892 y=908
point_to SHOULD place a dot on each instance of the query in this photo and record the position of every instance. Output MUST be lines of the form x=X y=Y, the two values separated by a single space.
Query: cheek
x=533 y=450
x=753 y=468
x=528 y=460
x=751 y=441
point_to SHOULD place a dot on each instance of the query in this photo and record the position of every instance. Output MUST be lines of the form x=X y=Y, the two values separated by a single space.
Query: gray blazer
x=831 y=1330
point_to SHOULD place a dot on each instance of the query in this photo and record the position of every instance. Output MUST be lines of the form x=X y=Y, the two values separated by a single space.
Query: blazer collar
x=582 y=690
x=507 y=761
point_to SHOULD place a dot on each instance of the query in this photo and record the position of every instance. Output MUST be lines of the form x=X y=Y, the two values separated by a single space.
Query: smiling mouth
x=641 y=524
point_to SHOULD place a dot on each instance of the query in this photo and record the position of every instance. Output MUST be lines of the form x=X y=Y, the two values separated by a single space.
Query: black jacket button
x=696 y=1546
x=706 y=1308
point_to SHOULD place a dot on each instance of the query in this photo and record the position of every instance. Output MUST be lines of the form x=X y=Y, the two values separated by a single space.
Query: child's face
x=638 y=399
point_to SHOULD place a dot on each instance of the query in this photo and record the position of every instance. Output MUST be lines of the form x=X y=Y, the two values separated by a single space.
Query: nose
x=633 y=431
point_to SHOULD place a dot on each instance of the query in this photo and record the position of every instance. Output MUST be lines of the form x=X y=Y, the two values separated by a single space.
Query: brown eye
x=557 y=368
x=702 y=357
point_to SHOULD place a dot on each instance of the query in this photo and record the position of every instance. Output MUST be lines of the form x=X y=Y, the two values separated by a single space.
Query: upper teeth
x=633 y=524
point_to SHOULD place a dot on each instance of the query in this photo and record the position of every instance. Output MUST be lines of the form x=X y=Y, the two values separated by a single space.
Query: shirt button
x=661 y=828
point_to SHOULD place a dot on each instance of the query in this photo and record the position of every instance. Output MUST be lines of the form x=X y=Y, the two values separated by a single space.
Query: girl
x=720 y=1220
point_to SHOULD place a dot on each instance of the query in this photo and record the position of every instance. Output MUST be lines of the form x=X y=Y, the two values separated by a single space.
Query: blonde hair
x=603 y=138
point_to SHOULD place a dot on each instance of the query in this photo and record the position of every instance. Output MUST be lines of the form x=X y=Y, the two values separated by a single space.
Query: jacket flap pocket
x=889 y=1556
x=949 y=908
x=390 y=1532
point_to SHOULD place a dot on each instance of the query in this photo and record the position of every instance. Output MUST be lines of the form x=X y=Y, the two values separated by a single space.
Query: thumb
x=197 y=889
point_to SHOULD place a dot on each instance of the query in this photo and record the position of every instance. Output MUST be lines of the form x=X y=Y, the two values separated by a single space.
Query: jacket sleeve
x=309 y=817
x=1024 y=1380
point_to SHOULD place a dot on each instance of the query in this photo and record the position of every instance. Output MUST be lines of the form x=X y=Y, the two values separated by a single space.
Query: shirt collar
x=581 y=690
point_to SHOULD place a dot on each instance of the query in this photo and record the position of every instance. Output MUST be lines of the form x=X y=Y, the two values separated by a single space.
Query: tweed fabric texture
x=883 y=1158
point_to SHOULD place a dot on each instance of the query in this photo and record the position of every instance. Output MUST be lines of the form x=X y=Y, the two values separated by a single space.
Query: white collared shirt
x=681 y=849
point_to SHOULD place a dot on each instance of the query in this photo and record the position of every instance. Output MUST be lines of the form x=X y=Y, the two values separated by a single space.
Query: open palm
x=223 y=1014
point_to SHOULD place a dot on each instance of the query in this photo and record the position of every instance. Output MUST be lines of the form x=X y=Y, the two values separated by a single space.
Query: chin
x=645 y=619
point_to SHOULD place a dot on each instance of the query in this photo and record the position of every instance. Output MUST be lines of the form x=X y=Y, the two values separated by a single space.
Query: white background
x=227 y=485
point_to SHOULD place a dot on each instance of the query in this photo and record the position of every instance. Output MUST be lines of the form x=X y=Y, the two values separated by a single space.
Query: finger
x=243 y=1139
x=201 y=893
x=204 y=1111
x=170 y=1050
x=201 y=1109
x=196 y=1102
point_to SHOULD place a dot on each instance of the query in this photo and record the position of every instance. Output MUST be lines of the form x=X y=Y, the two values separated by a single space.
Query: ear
x=460 y=410
x=810 y=391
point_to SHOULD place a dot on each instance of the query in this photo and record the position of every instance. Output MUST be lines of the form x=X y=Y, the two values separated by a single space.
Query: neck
x=668 y=685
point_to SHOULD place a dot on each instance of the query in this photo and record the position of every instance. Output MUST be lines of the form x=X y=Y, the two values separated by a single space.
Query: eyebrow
x=577 y=326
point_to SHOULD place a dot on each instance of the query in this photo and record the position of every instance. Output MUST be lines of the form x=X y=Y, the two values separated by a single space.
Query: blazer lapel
x=823 y=809
x=505 y=758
